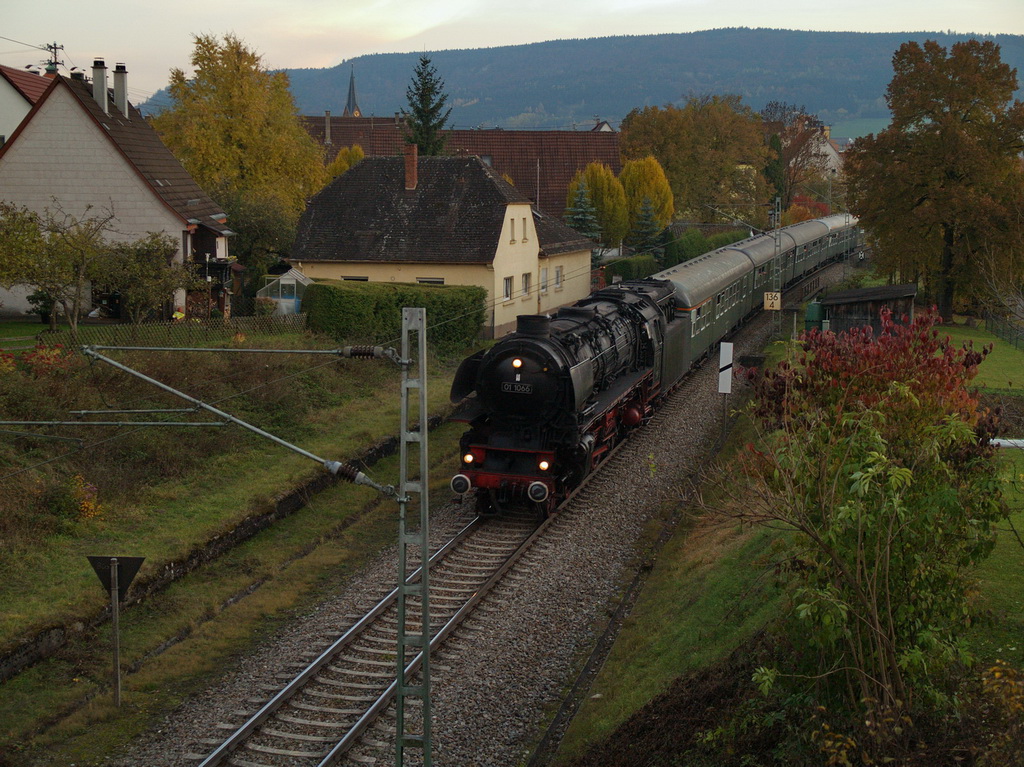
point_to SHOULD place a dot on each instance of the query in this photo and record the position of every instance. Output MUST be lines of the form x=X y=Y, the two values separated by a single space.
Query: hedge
x=371 y=312
x=634 y=268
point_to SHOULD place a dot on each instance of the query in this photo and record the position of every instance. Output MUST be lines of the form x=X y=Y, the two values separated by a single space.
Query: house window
x=558 y=278
x=524 y=229
x=430 y=280
x=527 y=277
x=507 y=291
x=544 y=280
x=356 y=279
x=512 y=223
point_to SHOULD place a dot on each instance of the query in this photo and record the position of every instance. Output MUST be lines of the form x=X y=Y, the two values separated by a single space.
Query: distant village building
x=540 y=164
x=351 y=107
x=443 y=221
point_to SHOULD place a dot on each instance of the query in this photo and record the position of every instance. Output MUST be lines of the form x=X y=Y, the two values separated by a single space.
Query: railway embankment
x=46 y=642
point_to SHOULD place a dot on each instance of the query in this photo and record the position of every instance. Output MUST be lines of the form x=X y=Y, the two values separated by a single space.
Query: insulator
x=347 y=472
x=363 y=351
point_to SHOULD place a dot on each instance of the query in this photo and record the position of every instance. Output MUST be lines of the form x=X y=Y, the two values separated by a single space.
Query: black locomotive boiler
x=547 y=403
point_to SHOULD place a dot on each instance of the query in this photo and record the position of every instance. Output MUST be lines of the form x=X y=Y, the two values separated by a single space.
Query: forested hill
x=558 y=84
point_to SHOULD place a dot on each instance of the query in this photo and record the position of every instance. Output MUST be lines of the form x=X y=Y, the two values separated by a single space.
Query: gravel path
x=495 y=679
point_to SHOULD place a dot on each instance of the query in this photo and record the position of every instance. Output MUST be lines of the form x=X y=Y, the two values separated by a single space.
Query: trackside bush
x=371 y=312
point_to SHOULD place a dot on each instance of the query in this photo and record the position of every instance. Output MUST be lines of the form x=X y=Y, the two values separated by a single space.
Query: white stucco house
x=82 y=146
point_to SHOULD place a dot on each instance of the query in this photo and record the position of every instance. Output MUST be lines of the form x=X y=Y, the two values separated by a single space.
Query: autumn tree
x=608 y=198
x=644 y=179
x=426 y=117
x=57 y=252
x=795 y=142
x=712 y=151
x=347 y=157
x=943 y=185
x=875 y=455
x=235 y=128
x=146 y=274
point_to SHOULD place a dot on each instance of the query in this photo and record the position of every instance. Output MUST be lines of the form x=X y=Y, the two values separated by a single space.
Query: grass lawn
x=59 y=710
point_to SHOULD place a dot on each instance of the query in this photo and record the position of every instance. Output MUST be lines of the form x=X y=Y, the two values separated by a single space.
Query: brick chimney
x=411 y=166
x=121 y=88
x=99 y=84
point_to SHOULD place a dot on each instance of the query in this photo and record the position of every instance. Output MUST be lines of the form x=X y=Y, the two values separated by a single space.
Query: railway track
x=324 y=708
x=328 y=706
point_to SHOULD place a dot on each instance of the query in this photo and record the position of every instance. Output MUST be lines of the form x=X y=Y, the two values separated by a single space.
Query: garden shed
x=856 y=308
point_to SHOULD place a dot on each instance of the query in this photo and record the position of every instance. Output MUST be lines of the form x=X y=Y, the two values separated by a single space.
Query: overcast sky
x=151 y=38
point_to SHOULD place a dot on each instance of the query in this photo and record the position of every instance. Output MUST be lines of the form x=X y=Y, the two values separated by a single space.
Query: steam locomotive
x=546 y=404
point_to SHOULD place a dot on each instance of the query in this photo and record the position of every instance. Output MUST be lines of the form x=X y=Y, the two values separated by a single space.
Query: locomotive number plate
x=517 y=388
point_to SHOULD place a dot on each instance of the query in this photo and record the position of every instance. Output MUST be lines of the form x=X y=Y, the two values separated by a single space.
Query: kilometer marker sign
x=725 y=368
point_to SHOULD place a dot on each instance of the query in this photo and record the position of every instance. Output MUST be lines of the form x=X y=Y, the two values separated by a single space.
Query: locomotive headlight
x=543 y=465
x=517 y=363
x=467 y=458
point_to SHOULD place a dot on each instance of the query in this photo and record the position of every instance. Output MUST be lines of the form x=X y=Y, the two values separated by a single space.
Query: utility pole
x=54 y=62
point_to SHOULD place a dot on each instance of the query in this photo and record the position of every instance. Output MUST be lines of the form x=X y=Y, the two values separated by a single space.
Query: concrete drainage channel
x=49 y=641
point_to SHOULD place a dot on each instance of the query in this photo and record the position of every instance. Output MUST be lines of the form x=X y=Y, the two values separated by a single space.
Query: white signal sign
x=773 y=301
x=725 y=368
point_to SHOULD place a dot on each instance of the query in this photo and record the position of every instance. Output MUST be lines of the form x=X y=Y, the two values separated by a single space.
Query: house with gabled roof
x=19 y=91
x=443 y=221
x=83 y=146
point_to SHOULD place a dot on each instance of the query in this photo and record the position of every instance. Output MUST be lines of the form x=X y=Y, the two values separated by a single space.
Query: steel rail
x=288 y=691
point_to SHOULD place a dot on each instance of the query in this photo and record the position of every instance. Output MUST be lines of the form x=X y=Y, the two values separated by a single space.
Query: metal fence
x=192 y=332
x=1008 y=330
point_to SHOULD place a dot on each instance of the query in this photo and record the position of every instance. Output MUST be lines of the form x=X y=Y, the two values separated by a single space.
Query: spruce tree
x=645 y=235
x=582 y=216
x=425 y=120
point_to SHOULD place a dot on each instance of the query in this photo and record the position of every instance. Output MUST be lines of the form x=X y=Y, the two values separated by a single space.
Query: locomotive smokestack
x=537 y=325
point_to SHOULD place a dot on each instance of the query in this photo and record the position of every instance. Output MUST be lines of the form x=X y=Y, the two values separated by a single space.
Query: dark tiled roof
x=557 y=237
x=454 y=215
x=144 y=150
x=880 y=293
x=540 y=163
x=29 y=85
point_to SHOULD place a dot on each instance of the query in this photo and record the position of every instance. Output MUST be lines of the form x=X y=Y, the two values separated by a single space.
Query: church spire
x=352 y=108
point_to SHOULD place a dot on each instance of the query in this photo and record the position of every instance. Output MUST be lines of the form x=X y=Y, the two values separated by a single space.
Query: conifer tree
x=426 y=118
x=645 y=234
x=582 y=216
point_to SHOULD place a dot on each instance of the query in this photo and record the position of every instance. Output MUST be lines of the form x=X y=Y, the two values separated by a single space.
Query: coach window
x=507 y=291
